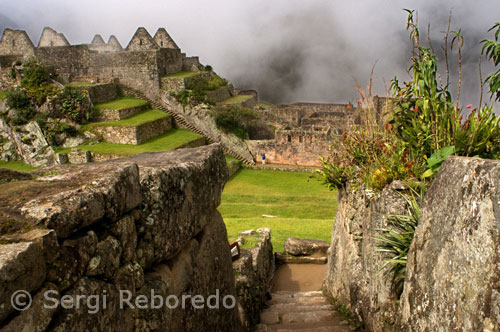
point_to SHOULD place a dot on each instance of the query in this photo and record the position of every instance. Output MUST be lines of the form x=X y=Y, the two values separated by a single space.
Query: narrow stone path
x=290 y=311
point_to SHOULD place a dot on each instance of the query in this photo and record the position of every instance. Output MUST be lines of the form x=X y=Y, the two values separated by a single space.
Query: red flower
x=359 y=103
x=469 y=106
x=415 y=110
x=349 y=107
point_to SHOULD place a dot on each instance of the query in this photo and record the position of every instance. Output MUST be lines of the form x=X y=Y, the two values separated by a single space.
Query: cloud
x=289 y=50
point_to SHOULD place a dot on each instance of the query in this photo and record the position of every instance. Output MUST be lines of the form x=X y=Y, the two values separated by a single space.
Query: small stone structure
x=147 y=225
x=303 y=251
x=134 y=134
x=52 y=38
x=254 y=270
x=453 y=265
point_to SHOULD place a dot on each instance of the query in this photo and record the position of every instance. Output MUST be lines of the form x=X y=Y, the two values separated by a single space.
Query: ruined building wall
x=137 y=69
x=51 y=38
x=146 y=224
x=16 y=42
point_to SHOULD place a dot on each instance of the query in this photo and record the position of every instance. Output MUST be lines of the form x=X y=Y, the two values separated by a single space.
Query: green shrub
x=34 y=74
x=492 y=50
x=53 y=128
x=17 y=99
x=73 y=104
x=197 y=88
x=233 y=120
x=396 y=241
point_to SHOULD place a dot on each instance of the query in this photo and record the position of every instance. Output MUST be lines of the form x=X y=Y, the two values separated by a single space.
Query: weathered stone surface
x=33 y=146
x=305 y=247
x=284 y=258
x=37 y=318
x=45 y=239
x=96 y=192
x=22 y=267
x=74 y=255
x=173 y=243
x=72 y=142
x=254 y=271
x=453 y=269
x=106 y=260
x=169 y=221
x=353 y=277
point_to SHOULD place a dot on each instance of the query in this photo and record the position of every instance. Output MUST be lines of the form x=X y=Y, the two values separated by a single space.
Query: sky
x=288 y=50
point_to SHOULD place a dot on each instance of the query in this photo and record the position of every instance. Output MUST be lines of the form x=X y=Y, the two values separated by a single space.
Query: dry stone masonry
x=144 y=224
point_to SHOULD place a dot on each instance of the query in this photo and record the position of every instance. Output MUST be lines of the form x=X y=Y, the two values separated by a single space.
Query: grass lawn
x=16 y=165
x=3 y=95
x=303 y=206
x=121 y=103
x=264 y=104
x=182 y=74
x=237 y=99
x=135 y=120
x=171 y=140
x=80 y=84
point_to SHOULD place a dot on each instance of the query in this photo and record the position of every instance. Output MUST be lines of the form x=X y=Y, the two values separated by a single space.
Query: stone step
x=293 y=307
x=308 y=317
x=330 y=326
x=299 y=294
x=183 y=124
x=304 y=300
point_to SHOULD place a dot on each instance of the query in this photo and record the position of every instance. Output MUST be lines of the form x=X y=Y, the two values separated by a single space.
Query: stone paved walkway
x=301 y=312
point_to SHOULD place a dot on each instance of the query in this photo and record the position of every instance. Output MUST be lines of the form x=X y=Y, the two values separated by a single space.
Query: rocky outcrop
x=254 y=270
x=353 y=278
x=453 y=265
x=137 y=229
x=452 y=281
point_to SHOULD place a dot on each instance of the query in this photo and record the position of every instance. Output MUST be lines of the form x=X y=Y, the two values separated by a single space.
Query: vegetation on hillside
x=197 y=87
x=234 y=119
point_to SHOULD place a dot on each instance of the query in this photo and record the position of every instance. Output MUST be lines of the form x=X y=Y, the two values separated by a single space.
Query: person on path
x=263 y=158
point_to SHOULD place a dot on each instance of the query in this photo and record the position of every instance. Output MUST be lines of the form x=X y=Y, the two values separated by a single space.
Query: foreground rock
x=453 y=265
x=146 y=225
x=452 y=281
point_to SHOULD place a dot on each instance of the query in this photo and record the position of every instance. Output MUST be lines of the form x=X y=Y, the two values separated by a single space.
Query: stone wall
x=453 y=265
x=101 y=93
x=134 y=134
x=140 y=69
x=120 y=114
x=254 y=270
x=147 y=225
x=293 y=147
x=189 y=62
x=51 y=38
x=16 y=42
x=220 y=94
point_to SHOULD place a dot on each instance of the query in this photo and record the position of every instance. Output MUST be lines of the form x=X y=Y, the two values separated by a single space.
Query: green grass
x=237 y=99
x=3 y=95
x=182 y=74
x=231 y=158
x=121 y=103
x=264 y=104
x=80 y=84
x=135 y=120
x=303 y=206
x=171 y=140
x=16 y=165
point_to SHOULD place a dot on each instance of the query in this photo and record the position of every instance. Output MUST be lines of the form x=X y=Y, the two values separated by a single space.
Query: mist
x=288 y=50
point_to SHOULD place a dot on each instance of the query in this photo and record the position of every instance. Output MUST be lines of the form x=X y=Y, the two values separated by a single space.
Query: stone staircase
x=301 y=312
x=182 y=123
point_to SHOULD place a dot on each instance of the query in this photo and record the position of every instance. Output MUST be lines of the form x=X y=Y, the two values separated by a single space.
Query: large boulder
x=453 y=269
x=353 y=277
x=306 y=247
